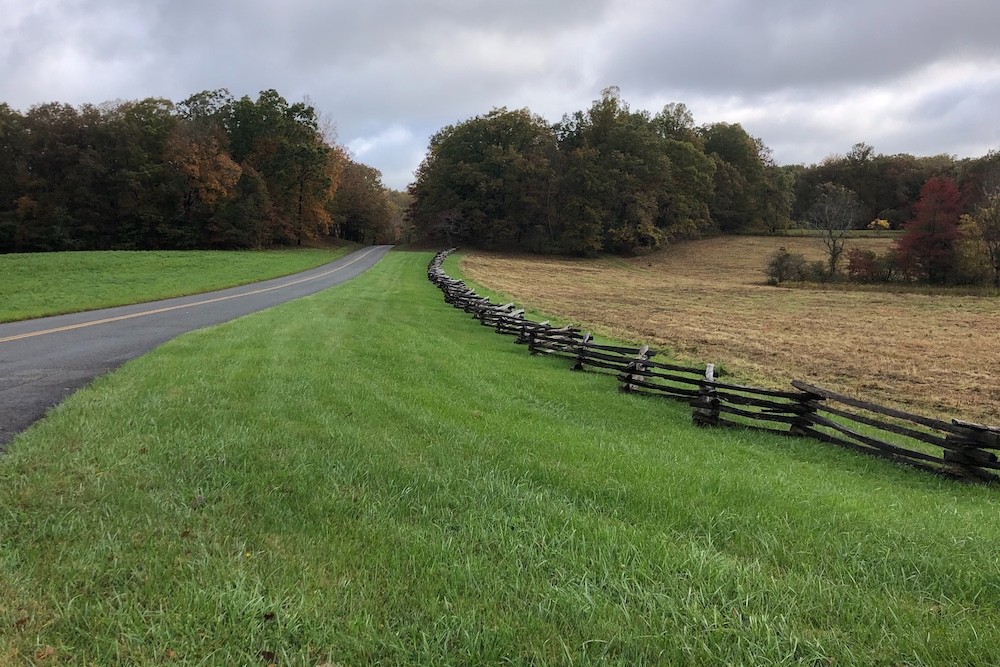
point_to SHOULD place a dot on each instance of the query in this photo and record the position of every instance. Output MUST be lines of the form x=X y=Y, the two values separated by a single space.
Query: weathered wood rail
x=955 y=448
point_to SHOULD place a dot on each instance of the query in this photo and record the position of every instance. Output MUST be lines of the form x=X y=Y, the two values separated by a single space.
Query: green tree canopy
x=751 y=193
x=602 y=179
x=487 y=179
x=361 y=208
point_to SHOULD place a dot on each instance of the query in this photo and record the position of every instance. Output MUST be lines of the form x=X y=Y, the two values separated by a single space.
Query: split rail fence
x=955 y=448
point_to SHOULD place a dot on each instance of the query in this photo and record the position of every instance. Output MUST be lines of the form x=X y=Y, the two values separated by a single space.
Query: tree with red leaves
x=931 y=237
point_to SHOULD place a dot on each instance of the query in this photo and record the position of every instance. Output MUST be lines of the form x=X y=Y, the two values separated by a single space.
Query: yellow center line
x=167 y=309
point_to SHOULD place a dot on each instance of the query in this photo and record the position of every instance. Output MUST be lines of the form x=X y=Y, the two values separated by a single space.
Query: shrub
x=867 y=266
x=816 y=272
x=784 y=265
x=862 y=265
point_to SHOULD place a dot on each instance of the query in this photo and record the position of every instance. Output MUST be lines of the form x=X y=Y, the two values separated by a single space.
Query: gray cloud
x=745 y=47
x=808 y=78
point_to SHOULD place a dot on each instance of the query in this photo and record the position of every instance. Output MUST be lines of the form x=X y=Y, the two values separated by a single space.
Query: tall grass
x=367 y=476
x=41 y=284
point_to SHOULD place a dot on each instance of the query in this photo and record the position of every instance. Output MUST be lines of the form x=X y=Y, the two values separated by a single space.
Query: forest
x=211 y=171
x=613 y=179
x=214 y=171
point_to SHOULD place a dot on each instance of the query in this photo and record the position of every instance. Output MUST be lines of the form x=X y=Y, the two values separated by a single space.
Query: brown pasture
x=707 y=301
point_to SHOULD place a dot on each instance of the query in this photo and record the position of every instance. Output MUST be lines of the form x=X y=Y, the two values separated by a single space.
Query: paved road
x=42 y=361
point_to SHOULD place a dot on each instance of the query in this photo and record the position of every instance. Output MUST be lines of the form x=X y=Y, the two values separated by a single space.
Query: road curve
x=42 y=361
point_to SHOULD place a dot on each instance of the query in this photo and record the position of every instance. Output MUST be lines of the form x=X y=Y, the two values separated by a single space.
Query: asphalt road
x=42 y=361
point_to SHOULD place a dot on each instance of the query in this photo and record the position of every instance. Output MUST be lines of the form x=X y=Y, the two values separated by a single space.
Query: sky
x=809 y=78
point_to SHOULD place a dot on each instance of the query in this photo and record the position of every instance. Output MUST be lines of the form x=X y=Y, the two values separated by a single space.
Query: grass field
x=367 y=476
x=707 y=301
x=885 y=234
x=41 y=284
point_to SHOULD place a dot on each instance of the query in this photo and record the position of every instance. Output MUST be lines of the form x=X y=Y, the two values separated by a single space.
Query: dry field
x=707 y=301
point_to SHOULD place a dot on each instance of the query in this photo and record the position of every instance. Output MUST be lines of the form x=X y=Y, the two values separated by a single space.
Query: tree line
x=613 y=179
x=940 y=245
x=211 y=171
x=888 y=187
x=607 y=179
x=948 y=210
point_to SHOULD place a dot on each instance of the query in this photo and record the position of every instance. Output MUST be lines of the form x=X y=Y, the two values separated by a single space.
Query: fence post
x=526 y=335
x=805 y=408
x=581 y=355
x=706 y=406
x=633 y=367
x=532 y=340
x=972 y=449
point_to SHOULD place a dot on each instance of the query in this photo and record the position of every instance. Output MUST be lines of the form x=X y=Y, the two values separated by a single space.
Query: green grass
x=367 y=476
x=41 y=284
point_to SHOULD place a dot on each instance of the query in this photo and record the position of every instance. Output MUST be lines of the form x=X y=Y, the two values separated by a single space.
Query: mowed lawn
x=707 y=301
x=41 y=284
x=367 y=476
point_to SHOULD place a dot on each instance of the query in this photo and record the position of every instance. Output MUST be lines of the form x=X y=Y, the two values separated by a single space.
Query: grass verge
x=42 y=284
x=367 y=476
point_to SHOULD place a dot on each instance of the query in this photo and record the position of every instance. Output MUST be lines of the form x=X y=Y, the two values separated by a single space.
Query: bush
x=862 y=265
x=867 y=266
x=784 y=265
x=816 y=272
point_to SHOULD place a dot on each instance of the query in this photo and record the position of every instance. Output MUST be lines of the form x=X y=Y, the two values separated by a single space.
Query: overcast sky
x=809 y=78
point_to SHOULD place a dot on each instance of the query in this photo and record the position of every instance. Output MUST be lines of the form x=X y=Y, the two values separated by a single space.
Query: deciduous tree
x=211 y=171
x=283 y=143
x=207 y=173
x=987 y=222
x=11 y=161
x=834 y=212
x=930 y=239
x=750 y=192
x=630 y=168
x=361 y=209
x=487 y=180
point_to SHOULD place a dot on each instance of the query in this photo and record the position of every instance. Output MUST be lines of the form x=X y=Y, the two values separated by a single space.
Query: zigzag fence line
x=956 y=449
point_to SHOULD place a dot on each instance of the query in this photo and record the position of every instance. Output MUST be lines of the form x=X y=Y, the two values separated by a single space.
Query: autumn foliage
x=212 y=171
x=929 y=247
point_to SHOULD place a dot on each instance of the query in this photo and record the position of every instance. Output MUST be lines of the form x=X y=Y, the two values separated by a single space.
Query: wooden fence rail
x=955 y=448
x=555 y=341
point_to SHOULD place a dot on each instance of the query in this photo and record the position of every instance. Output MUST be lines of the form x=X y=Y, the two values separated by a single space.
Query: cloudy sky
x=809 y=78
